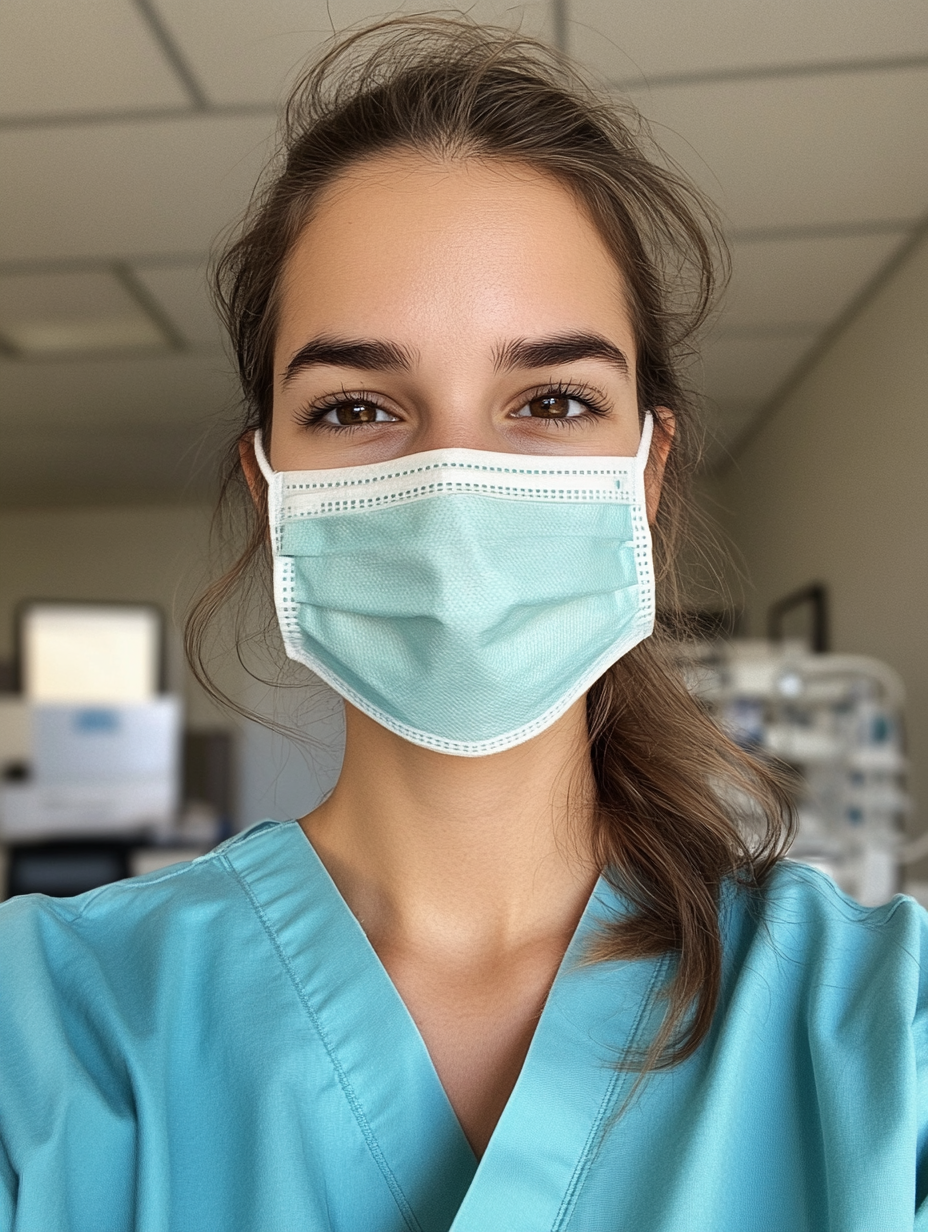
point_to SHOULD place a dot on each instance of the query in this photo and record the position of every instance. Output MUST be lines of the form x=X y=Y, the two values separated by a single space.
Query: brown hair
x=672 y=789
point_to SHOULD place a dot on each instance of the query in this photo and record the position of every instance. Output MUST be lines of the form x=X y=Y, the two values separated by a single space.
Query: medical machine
x=102 y=745
x=837 y=721
x=97 y=770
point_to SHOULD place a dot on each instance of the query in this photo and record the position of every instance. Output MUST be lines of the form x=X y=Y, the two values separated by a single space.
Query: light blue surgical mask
x=463 y=599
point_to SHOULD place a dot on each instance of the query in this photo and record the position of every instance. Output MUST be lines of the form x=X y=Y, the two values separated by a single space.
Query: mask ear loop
x=261 y=457
x=644 y=445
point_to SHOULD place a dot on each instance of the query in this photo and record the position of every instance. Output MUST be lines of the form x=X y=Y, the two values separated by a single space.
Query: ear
x=665 y=426
x=250 y=469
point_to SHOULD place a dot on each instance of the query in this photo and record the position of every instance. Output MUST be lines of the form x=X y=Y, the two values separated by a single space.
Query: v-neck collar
x=537 y=1158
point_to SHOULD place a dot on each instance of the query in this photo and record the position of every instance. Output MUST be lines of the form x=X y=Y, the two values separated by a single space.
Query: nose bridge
x=459 y=434
x=460 y=417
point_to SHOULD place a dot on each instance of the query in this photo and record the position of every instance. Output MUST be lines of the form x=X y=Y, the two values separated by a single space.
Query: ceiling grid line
x=560 y=25
x=771 y=72
x=173 y=54
x=136 y=115
x=822 y=231
x=68 y=265
x=124 y=275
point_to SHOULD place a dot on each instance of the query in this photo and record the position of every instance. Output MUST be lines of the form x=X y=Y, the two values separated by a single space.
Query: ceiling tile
x=62 y=296
x=246 y=52
x=623 y=39
x=175 y=387
x=80 y=311
x=747 y=371
x=163 y=186
x=788 y=282
x=182 y=293
x=835 y=148
x=86 y=55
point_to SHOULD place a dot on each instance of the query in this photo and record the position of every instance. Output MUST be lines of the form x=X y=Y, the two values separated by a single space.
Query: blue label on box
x=96 y=720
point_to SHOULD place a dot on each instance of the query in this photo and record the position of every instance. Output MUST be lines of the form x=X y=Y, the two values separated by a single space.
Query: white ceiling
x=131 y=133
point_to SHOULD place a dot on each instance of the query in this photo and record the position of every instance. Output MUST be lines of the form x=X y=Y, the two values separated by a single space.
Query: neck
x=479 y=853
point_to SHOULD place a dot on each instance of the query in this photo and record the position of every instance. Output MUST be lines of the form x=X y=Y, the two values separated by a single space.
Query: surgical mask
x=463 y=599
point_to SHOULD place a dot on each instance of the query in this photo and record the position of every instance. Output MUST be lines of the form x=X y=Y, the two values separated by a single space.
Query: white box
x=106 y=743
x=67 y=810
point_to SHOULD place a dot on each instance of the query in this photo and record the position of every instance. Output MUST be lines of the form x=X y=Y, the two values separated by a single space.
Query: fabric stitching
x=309 y=494
x=132 y=883
x=373 y=1145
x=581 y=1170
x=616 y=467
x=322 y=507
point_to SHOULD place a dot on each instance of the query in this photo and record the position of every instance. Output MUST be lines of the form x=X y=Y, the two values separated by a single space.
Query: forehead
x=416 y=243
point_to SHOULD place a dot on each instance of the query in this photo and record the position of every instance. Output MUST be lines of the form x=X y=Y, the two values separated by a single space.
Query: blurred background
x=131 y=134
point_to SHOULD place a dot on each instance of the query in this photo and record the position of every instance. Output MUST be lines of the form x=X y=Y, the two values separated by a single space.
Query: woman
x=535 y=963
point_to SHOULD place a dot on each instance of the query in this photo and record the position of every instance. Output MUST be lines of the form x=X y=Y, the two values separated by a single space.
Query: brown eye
x=357 y=411
x=551 y=406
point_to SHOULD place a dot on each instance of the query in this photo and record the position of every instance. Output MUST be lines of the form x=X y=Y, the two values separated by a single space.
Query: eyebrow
x=367 y=354
x=379 y=356
x=560 y=349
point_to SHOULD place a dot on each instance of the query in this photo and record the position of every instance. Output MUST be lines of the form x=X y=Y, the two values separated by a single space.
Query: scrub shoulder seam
x=795 y=873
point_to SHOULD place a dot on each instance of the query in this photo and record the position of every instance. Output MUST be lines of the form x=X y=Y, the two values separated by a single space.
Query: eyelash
x=594 y=403
x=313 y=416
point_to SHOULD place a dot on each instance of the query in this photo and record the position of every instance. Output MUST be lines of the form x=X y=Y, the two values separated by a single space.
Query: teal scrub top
x=216 y=1047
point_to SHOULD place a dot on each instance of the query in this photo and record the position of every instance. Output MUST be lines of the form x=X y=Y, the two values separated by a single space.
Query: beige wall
x=157 y=554
x=834 y=487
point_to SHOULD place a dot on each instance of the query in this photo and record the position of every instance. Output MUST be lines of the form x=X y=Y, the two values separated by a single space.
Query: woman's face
x=431 y=305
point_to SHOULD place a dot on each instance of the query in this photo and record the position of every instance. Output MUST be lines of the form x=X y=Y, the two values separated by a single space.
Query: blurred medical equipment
x=95 y=764
x=836 y=720
x=97 y=770
x=104 y=746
